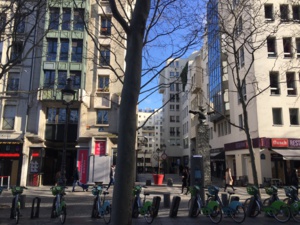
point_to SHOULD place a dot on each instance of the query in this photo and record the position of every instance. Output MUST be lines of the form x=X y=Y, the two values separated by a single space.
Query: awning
x=215 y=154
x=288 y=154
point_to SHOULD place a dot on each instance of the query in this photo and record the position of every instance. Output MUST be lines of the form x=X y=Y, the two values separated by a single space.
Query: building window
x=49 y=78
x=177 y=107
x=104 y=55
x=66 y=19
x=76 y=78
x=172 y=131
x=172 y=97
x=291 y=83
x=277 y=116
x=274 y=83
x=9 y=115
x=16 y=52
x=287 y=47
x=172 y=74
x=242 y=57
x=284 y=12
x=51 y=49
x=12 y=83
x=102 y=117
x=172 y=87
x=241 y=124
x=298 y=47
x=64 y=50
x=61 y=79
x=105 y=26
x=294 y=116
x=76 y=50
x=58 y=116
x=239 y=27
x=244 y=93
x=78 y=23
x=103 y=83
x=19 y=23
x=54 y=19
x=271 y=45
x=296 y=12
x=269 y=12
x=172 y=108
x=2 y=22
x=172 y=119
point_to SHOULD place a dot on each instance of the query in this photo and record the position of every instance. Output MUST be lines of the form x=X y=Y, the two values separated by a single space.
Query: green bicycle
x=16 y=204
x=293 y=202
x=59 y=207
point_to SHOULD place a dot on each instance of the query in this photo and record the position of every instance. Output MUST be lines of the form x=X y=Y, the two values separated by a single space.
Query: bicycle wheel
x=149 y=215
x=17 y=212
x=63 y=215
x=282 y=214
x=135 y=209
x=295 y=211
x=238 y=214
x=194 y=209
x=107 y=214
x=255 y=210
x=95 y=210
x=216 y=215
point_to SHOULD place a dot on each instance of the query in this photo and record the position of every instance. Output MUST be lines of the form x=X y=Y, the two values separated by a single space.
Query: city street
x=79 y=206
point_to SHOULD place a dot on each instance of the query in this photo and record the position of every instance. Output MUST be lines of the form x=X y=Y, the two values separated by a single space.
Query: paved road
x=79 y=205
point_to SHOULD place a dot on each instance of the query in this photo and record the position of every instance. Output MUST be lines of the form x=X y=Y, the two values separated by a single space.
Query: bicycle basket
x=57 y=190
x=17 y=190
x=97 y=190
x=252 y=190
x=137 y=189
x=213 y=190
x=271 y=190
x=290 y=191
x=193 y=190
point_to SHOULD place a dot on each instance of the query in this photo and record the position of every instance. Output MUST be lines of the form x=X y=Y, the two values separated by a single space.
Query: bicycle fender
x=277 y=204
x=234 y=204
x=147 y=204
x=106 y=204
x=212 y=204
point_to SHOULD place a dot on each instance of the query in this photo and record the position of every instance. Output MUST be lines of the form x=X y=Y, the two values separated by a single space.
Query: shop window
x=102 y=117
x=284 y=12
x=294 y=116
x=274 y=83
x=277 y=116
x=296 y=12
x=9 y=115
x=269 y=12
x=271 y=45
x=287 y=47
x=291 y=83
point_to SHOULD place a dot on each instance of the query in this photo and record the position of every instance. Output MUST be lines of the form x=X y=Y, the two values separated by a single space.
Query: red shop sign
x=280 y=142
x=100 y=148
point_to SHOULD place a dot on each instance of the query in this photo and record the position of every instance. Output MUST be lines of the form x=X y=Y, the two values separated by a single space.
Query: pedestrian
x=228 y=179
x=75 y=178
x=188 y=179
x=295 y=179
x=111 y=176
x=184 y=179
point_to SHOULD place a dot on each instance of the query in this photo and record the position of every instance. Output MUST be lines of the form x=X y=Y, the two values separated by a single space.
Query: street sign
x=164 y=156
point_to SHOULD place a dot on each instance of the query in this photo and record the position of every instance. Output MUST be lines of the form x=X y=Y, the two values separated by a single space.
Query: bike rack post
x=37 y=210
x=174 y=206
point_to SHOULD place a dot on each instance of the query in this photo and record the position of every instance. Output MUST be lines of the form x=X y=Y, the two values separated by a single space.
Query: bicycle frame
x=142 y=206
x=231 y=207
x=102 y=206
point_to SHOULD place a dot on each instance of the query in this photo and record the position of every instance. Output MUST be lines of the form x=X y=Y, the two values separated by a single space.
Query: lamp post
x=145 y=152
x=67 y=95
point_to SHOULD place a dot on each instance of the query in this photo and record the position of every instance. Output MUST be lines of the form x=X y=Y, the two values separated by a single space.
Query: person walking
x=295 y=179
x=228 y=180
x=184 y=180
x=75 y=178
x=111 y=176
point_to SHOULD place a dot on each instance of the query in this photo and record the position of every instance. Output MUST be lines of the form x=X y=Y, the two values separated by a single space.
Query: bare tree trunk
x=122 y=196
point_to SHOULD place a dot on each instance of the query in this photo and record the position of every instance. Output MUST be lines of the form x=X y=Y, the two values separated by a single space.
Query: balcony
x=52 y=95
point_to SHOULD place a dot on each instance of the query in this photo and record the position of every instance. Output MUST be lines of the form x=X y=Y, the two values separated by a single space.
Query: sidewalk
x=79 y=207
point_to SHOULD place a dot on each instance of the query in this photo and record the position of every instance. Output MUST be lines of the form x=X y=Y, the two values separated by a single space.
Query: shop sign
x=280 y=142
x=294 y=142
x=100 y=148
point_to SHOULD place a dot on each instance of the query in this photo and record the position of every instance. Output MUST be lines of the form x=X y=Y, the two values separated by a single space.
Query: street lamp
x=67 y=95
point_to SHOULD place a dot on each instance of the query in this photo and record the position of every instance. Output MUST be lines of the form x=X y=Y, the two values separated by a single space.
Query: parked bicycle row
x=213 y=207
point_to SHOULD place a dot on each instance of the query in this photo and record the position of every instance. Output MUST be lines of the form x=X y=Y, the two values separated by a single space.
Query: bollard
x=12 y=208
x=166 y=200
x=148 y=182
x=156 y=204
x=193 y=207
x=174 y=206
x=36 y=213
